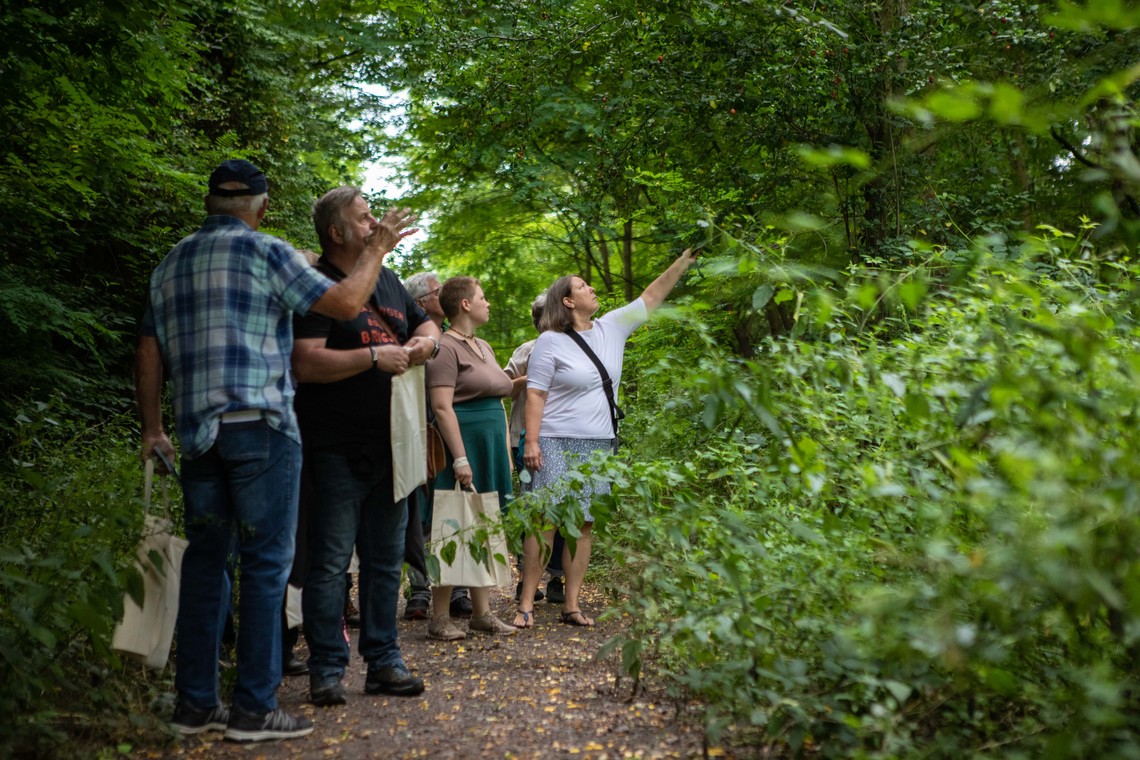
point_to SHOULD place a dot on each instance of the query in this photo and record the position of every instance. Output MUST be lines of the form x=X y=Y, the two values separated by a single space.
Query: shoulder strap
x=607 y=383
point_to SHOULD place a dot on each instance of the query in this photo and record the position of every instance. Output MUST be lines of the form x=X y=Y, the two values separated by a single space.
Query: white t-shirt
x=576 y=405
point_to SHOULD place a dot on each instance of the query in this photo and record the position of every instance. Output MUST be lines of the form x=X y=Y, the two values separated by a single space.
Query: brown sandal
x=575 y=617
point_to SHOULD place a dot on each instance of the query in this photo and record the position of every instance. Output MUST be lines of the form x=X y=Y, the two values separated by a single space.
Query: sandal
x=575 y=617
x=527 y=619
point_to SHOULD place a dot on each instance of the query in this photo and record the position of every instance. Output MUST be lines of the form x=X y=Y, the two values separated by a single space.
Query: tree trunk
x=627 y=258
x=607 y=275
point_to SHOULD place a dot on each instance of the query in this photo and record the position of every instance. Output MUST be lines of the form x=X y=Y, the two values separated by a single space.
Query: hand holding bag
x=147 y=632
x=458 y=516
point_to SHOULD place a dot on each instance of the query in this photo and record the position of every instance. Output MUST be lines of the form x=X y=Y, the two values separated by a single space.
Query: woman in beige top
x=467 y=388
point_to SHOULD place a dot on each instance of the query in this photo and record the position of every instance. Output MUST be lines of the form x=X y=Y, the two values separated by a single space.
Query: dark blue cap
x=238 y=170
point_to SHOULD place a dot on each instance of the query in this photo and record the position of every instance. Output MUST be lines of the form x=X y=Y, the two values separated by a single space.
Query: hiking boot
x=460 y=604
x=327 y=693
x=394 y=680
x=538 y=595
x=490 y=624
x=441 y=628
x=295 y=666
x=417 y=608
x=194 y=720
x=260 y=727
x=554 y=591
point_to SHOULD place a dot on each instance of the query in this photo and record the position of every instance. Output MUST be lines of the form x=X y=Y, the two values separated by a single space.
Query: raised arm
x=343 y=300
x=658 y=290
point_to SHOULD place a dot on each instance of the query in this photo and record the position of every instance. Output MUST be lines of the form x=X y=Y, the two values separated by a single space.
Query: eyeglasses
x=430 y=293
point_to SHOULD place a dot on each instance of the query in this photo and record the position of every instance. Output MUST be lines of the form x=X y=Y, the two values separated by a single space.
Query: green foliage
x=113 y=114
x=913 y=527
x=72 y=514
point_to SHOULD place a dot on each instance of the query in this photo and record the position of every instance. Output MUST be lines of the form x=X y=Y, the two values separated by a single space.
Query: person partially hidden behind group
x=424 y=287
x=467 y=388
x=568 y=414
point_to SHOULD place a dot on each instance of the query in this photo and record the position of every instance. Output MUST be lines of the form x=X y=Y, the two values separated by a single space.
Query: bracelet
x=460 y=462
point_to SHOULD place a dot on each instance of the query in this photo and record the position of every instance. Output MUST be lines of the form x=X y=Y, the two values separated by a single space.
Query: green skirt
x=483 y=426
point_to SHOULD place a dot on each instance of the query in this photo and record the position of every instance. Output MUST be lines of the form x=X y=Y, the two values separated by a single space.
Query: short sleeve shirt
x=473 y=374
x=355 y=412
x=576 y=405
x=221 y=306
x=517 y=367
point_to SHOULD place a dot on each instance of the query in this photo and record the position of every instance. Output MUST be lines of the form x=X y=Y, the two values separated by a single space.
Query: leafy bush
x=72 y=514
x=910 y=530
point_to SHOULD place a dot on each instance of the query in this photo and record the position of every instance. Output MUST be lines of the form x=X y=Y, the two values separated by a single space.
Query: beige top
x=472 y=374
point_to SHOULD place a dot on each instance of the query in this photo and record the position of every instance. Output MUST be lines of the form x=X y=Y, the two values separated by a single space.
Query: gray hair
x=419 y=284
x=329 y=210
x=537 y=308
x=218 y=205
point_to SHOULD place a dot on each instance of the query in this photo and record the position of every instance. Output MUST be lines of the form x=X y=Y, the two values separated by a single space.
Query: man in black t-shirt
x=344 y=370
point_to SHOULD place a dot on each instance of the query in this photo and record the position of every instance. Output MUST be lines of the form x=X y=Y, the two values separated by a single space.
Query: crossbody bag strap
x=607 y=383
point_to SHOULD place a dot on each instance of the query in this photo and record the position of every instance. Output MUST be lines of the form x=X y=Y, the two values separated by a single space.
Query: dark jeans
x=248 y=480
x=354 y=506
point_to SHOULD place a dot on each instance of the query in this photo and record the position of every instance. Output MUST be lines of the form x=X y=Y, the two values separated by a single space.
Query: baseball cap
x=238 y=170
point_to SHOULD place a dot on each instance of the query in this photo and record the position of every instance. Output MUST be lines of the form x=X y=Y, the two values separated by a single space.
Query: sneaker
x=194 y=720
x=417 y=608
x=260 y=727
x=460 y=604
x=394 y=680
x=538 y=595
x=490 y=624
x=441 y=628
x=554 y=592
x=328 y=693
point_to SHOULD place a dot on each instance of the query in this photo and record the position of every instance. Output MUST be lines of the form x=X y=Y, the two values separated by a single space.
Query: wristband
x=460 y=462
x=375 y=355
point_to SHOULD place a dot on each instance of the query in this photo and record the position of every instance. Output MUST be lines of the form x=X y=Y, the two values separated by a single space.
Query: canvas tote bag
x=457 y=516
x=409 y=432
x=147 y=632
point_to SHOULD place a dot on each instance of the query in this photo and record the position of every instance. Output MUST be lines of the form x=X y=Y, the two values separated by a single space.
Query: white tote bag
x=147 y=632
x=409 y=432
x=457 y=517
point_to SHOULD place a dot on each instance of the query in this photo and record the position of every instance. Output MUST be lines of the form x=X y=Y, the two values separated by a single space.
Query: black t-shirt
x=355 y=412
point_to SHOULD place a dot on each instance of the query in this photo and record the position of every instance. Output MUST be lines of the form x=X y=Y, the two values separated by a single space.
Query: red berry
x=732 y=110
x=660 y=58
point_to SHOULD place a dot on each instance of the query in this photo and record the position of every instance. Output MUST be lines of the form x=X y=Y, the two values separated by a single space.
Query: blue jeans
x=248 y=482
x=354 y=505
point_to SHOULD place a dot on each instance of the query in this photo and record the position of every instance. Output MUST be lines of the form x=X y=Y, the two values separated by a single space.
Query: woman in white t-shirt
x=568 y=415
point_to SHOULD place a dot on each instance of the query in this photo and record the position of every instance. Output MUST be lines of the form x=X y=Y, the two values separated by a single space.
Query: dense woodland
x=878 y=493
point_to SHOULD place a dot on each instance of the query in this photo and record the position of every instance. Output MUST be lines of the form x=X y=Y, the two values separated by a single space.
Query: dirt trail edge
x=539 y=694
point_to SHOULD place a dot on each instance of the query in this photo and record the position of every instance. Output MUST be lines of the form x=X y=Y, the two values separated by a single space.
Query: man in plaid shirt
x=218 y=324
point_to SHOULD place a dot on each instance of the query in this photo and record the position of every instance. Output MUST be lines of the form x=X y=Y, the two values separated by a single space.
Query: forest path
x=539 y=694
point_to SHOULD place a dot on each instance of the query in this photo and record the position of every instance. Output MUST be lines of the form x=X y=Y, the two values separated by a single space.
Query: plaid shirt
x=221 y=306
